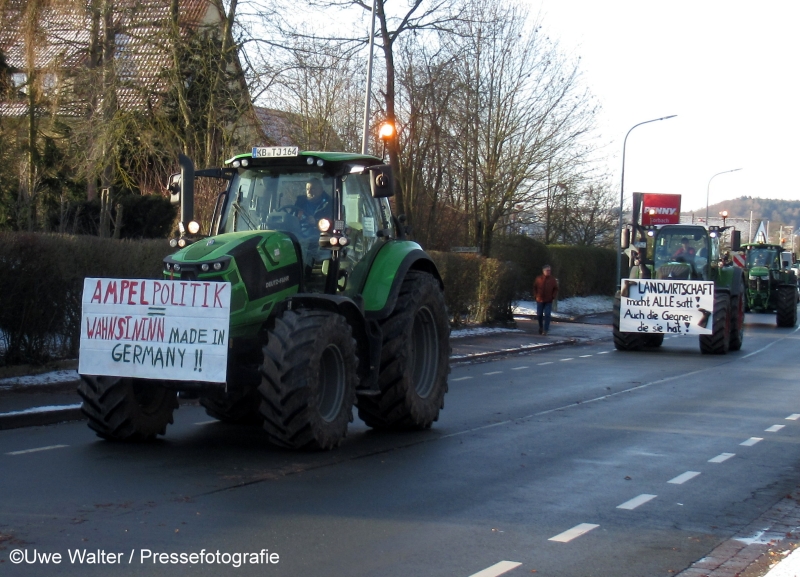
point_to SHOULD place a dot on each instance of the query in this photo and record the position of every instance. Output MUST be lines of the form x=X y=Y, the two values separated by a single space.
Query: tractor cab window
x=677 y=245
x=763 y=257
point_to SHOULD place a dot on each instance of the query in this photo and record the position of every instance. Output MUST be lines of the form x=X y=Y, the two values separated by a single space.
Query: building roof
x=142 y=53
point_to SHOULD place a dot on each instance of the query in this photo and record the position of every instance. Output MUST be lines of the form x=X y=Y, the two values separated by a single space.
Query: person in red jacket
x=545 y=291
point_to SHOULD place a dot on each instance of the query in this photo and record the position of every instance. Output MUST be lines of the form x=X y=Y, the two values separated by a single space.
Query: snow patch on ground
x=43 y=379
x=571 y=307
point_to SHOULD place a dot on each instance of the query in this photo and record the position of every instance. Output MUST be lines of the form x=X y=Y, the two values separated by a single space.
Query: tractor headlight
x=204 y=267
x=193 y=227
x=343 y=241
x=324 y=225
x=334 y=241
x=173 y=242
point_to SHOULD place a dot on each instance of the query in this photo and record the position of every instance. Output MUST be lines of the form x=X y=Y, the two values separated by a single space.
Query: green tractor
x=331 y=306
x=772 y=284
x=684 y=252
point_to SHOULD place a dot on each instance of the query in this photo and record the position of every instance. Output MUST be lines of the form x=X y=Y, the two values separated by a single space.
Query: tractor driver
x=684 y=252
x=316 y=204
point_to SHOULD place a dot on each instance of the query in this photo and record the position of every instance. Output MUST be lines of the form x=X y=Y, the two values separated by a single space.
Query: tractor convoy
x=331 y=307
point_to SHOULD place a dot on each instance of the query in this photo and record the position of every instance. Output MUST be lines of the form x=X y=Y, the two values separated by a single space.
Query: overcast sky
x=729 y=70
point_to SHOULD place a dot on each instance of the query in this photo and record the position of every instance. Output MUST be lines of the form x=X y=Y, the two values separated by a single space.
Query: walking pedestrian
x=545 y=291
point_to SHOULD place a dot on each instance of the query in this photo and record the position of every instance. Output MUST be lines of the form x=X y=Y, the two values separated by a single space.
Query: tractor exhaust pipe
x=187 y=188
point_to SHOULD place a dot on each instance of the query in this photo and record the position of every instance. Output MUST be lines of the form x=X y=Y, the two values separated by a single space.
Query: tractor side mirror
x=625 y=239
x=736 y=240
x=174 y=188
x=381 y=181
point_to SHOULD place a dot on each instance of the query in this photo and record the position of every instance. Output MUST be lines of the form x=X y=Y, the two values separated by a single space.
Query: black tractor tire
x=654 y=341
x=719 y=341
x=415 y=359
x=737 y=322
x=308 y=380
x=127 y=409
x=239 y=407
x=786 y=306
x=625 y=341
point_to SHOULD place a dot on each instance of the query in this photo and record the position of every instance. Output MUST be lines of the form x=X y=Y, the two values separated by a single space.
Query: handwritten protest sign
x=677 y=307
x=155 y=329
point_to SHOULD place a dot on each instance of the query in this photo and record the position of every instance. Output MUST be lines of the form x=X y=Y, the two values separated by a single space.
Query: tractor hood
x=229 y=244
x=759 y=271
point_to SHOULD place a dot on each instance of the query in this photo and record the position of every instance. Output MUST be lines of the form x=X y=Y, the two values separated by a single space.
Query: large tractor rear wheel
x=625 y=341
x=719 y=341
x=786 y=306
x=308 y=380
x=414 y=359
x=126 y=409
x=737 y=321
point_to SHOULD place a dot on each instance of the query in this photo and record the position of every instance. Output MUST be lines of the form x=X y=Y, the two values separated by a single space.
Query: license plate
x=274 y=151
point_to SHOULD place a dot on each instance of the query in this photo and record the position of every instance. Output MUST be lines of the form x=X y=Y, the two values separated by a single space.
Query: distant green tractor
x=771 y=282
x=331 y=306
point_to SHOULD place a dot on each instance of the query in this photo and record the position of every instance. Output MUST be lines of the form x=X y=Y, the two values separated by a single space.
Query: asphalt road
x=570 y=461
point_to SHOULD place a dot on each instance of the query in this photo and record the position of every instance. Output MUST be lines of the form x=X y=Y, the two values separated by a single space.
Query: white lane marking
x=636 y=501
x=36 y=450
x=493 y=373
x=761 y=350
x=586 y=356
x=774 y=428
x=751 y=441
x=603 y=352
x=722 y=457
x=682 y=478
x=497 y=569
x=569 y=359
x=460 y=379
x=519 y=368
x=207 y=422
x=547 y=363
x=573 y=533
x=793 y=417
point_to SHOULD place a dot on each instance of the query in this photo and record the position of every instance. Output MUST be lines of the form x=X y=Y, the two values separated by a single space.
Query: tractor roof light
x=193 y=227
x=236 y=164
x=245 y=162
x=386 y=131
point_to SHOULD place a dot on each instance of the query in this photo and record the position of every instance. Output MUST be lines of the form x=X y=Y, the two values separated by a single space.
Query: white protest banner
x=155 y=329
x=677 y=307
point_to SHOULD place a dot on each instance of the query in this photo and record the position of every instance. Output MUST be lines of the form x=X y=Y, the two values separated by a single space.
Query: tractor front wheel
x=414 y=359
x=626 y=341
x=719 y=341
x=126 y=409
x=308 y=380
x=786 y=306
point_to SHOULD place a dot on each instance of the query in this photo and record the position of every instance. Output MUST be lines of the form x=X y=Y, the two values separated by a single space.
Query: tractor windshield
x=763 y=257
x=682 y=245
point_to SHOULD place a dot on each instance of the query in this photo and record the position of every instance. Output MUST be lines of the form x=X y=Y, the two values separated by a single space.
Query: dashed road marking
x=586 y=356
x=683 y=477
x=497 y=569
x=37 y=449
x=751 y=441
x=207 y=422
x=774 y=428
x=574 y=533
x=493 y=373
x=569 y=359
x=460 y=379
x=519 y=368
x=603 y=352
x=793 y=417
x=547 y=363
x=636 y=501
x=722 y=457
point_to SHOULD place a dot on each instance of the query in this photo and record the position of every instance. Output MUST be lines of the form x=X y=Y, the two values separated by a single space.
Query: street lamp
x=622 y=193
x=386 y=133
x=708 y=188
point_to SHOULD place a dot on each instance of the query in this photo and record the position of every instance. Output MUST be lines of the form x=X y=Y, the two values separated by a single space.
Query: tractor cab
x=684 y=252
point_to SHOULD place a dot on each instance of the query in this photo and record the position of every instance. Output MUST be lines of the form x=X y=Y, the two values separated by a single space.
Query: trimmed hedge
x=42 y=286
x=580 y=270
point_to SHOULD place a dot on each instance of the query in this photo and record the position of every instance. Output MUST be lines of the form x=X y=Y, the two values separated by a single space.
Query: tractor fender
x=386 y=275
x=367 y=333
x=730 y=280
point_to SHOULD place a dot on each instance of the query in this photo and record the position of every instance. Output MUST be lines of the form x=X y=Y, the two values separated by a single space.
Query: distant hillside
x=777 y=212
